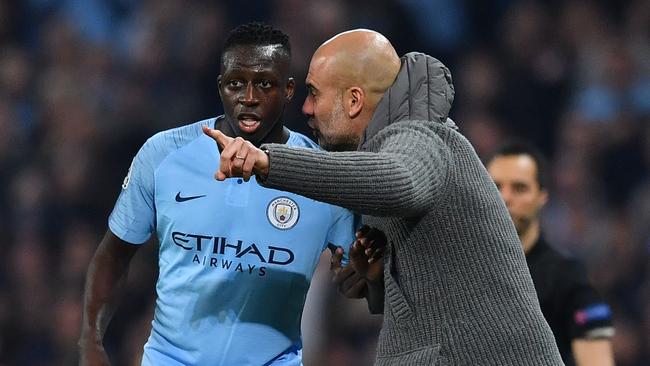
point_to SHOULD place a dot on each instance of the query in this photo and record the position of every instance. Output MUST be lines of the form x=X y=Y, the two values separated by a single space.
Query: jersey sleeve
x=342 y=231
x=344 y=223
x=589 y=316
x=132 y=219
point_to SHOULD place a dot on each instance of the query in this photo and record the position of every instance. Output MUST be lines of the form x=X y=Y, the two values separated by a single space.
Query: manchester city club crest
x=283 y=213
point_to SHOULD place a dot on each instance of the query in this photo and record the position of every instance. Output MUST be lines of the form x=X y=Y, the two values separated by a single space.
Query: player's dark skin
x=366 y=269
x=254 y=86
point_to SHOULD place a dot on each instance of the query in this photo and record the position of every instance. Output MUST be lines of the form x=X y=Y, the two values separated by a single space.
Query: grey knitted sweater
x=457 y=289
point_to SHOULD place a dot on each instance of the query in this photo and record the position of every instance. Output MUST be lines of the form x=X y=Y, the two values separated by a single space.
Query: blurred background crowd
x=84 y=83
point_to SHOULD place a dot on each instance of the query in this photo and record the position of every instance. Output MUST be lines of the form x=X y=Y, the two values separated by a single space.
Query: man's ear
x=290 y=89
x=356 y=97
x=543 y=198
x=219 y=84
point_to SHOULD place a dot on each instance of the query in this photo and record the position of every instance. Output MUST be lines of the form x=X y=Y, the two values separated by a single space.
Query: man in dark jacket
x=456 y=287
x=579 y=318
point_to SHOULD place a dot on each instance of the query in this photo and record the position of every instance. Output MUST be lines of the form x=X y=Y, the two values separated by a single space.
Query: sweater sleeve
x=404 y=177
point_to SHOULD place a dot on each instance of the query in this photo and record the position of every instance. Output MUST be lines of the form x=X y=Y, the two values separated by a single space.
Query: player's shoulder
x=177 y=137
x=549 y=253
x=562 y=258
x=297 y=139
x=569 y=269
x=547 y=260
x=165 y=142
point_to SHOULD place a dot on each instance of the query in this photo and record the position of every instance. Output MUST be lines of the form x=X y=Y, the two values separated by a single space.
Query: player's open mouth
x=248 y=124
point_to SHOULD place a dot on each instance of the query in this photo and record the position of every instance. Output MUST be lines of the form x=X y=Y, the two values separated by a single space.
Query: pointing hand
x=239 y=158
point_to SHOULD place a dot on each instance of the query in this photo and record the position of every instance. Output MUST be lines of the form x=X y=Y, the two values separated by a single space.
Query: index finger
x=218 y=136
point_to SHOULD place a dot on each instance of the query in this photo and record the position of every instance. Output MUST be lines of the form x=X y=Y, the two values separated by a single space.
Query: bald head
x=347 y=77
x=359 y=57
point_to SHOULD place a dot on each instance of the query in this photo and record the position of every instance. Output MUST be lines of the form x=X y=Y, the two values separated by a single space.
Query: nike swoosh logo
x=183 y=199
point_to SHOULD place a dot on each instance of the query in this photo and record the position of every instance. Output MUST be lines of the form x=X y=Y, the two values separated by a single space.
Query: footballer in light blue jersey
x=236 y=259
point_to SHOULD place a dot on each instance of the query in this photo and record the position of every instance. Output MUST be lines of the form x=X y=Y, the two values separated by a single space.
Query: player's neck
x=530 y=236
x=278 y=135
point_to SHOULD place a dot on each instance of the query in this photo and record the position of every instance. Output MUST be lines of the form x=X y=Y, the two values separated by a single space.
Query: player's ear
x=219 y=84
x=290 y=89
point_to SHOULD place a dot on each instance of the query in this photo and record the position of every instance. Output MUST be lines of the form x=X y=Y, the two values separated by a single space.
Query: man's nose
x=249 y=97
x=308 y=107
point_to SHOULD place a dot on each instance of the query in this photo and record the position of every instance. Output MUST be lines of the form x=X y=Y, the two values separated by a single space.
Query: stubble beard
x=337 y=143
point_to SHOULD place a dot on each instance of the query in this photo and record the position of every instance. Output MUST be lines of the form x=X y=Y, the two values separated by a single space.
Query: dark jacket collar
x=538 y=249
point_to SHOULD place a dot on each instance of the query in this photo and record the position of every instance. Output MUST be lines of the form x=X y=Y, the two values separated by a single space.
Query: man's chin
x=343 y=144
x=521 y=225
x=338 y=147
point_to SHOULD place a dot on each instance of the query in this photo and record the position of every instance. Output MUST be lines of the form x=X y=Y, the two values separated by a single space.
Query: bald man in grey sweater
x=456 y=289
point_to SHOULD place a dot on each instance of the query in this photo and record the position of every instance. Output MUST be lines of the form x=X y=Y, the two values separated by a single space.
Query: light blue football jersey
x=236 y=259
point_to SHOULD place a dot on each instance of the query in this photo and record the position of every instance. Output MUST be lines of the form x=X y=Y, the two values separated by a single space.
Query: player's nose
x=249 y=97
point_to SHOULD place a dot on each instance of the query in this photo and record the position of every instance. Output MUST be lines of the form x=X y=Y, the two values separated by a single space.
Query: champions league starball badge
x=283 y=213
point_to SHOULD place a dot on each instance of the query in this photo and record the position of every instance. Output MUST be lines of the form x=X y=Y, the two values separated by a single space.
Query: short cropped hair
x=258 y=34
x=516 y=147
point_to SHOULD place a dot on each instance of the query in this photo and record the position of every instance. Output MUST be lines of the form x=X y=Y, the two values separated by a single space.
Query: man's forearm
x=404 y=179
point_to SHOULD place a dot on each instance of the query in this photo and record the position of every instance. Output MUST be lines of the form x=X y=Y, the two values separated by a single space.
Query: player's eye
x=265 y=84
x=235 y=84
